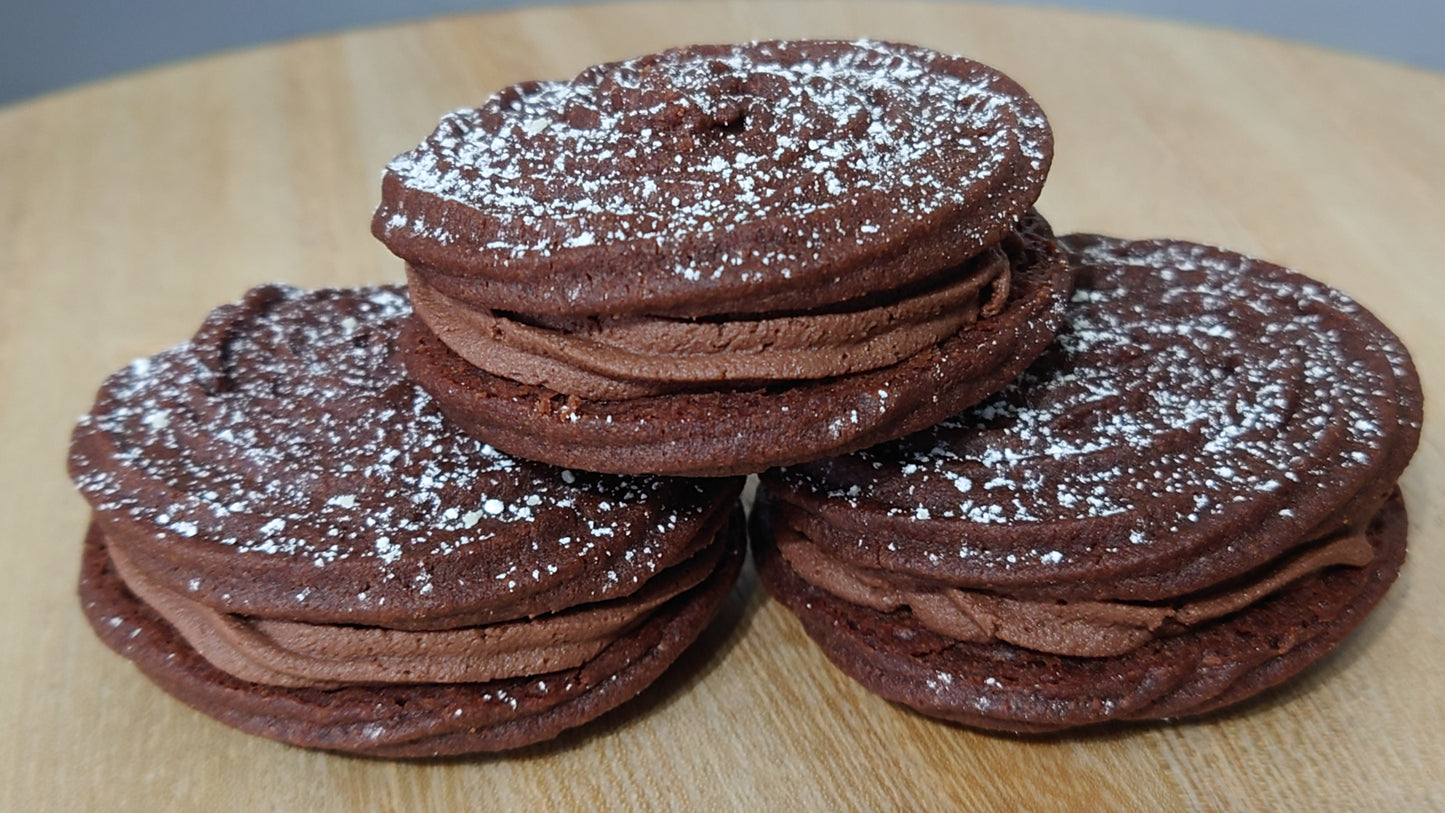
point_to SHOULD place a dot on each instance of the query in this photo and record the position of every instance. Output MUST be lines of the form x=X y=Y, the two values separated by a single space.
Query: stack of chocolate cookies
x=468 y=514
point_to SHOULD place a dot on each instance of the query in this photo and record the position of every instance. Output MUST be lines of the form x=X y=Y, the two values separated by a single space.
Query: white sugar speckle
x=386 y=550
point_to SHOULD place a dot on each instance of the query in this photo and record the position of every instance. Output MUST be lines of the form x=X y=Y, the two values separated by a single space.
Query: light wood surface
x=130 y=208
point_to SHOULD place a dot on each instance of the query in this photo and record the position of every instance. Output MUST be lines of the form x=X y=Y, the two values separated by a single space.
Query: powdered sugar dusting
x=288 y=429
x=1187 y=383
x=637 y=151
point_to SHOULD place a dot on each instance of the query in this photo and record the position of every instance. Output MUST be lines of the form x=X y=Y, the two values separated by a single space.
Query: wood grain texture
x=131 y=207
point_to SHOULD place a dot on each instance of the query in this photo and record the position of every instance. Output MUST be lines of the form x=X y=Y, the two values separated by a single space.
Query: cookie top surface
x=1199 y=413
x=719 y=177
x=281 y=465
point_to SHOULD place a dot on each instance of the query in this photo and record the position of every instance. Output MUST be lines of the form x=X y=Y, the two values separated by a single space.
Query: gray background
x=51 y=44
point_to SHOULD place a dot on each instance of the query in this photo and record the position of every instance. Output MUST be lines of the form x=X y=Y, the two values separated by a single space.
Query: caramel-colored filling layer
x=288 y=653
x=1076 y=628
x=629 y=357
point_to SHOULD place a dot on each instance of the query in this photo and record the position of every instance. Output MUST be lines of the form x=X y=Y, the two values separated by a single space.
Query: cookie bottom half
x=1002 y=687
x=398 y=720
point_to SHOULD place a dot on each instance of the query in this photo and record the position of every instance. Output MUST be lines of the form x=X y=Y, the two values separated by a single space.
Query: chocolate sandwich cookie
x=1186 y=500
x=289 y=536
x=720 y=258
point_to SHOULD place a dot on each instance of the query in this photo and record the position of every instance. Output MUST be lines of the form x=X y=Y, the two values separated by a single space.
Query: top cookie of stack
x=721 y=258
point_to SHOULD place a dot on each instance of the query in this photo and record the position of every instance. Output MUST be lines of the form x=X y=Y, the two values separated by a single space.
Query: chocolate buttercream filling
x=288 y=653
x=1074 y=628
x=636 y=356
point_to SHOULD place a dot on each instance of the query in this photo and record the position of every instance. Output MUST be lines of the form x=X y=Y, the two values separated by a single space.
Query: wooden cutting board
x=131 y=207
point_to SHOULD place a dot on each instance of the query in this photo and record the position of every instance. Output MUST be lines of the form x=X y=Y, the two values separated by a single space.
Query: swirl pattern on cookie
x=745 y=178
